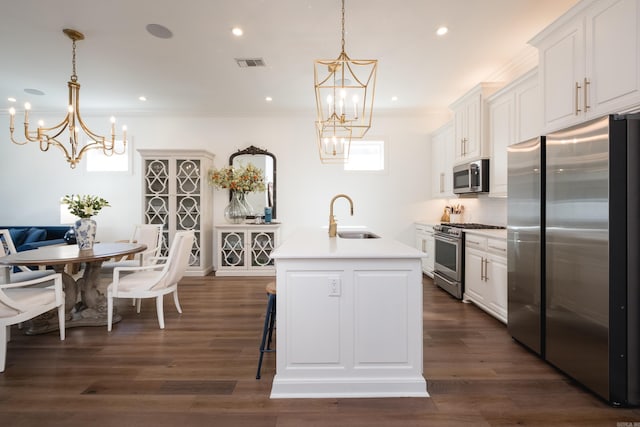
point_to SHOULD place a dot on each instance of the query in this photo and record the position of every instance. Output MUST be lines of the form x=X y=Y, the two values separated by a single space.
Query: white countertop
x=488 y=232
x=316 y=243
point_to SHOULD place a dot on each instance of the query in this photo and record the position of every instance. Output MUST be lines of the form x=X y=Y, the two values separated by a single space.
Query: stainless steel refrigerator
x=525 y=242
x=575 y=299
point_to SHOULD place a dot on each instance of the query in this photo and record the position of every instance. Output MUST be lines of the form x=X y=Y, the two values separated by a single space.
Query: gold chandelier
x=344 y=100
x=47 y=136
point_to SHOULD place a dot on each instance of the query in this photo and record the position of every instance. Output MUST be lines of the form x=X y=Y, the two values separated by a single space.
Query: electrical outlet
x=334 y=286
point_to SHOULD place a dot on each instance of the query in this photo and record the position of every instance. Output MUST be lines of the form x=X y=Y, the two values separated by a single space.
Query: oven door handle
x=445 y=238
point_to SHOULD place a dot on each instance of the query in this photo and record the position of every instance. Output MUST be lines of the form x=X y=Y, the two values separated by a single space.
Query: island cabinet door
x=382 y=302
x=312 y=319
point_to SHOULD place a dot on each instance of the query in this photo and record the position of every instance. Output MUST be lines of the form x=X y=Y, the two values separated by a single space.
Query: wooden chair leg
x=176 y=302
x=109 y=312
x=160 y=310
x=4 y=332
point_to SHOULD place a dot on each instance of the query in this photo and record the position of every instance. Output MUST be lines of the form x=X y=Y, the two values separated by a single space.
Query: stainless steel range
x=449 y=255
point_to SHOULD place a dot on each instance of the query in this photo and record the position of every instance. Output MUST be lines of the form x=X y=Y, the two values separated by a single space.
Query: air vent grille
x=250 y=62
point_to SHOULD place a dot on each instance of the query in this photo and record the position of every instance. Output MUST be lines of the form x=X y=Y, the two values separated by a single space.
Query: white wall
x=33 y=182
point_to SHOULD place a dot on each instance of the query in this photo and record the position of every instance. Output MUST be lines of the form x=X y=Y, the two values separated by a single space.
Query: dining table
x=85 y=292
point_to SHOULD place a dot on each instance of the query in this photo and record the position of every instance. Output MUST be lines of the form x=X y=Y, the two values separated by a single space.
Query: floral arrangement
x=84 y=206
x=243 y=179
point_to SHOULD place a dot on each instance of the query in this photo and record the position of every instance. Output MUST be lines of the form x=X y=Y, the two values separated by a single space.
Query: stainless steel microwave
x=472 y=177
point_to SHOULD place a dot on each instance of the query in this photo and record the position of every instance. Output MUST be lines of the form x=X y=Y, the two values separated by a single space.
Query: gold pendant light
x=47 y=136
x=345 y=90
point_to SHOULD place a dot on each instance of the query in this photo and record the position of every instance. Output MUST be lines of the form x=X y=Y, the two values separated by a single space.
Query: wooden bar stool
x=269 y=322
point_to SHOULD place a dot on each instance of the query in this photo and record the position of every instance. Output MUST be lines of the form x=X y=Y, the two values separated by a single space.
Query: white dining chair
x=148 y=234
x=152 y=281
x=7 y=247
x=21 y=301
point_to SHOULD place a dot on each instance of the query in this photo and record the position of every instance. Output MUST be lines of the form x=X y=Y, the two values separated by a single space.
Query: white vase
x=85 y=229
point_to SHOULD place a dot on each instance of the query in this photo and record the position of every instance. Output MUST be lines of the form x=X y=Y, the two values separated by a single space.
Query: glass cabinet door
x=262 y=243
x=233 y=250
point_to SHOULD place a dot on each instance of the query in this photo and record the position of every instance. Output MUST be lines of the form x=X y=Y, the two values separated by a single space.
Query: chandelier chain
x=74 y=77
x=342 y=26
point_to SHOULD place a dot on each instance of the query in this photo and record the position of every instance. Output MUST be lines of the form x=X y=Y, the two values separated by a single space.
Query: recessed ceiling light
x=159 y=31
x=142 y=98
x=268 y=99
x=11 y=99
x=441 y=31
x=34 y=91
x=394 y=98
x=237 y=31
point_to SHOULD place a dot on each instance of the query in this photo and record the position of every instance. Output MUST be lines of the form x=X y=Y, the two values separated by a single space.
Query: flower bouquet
x=240 y=181
x=84 y=207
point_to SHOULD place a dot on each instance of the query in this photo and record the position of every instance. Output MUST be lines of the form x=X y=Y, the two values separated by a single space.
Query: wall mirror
x=266 y=161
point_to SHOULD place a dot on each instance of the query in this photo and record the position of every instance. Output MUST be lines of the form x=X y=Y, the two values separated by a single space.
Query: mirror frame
x=253 y=150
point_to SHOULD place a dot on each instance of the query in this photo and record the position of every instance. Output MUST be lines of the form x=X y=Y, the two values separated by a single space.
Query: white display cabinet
x=175 y=193
x=245 y=249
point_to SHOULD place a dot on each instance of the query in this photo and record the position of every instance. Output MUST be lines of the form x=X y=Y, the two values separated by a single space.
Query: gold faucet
x=333 y=226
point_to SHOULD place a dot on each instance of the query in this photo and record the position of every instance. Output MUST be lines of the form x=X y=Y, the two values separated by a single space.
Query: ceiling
x=195 y=72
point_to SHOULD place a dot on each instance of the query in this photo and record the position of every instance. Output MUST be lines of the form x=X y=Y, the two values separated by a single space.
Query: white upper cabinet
x=514 y=116
x=590 y=62
x=442 y=162
x=470 y=123
x=528 y=107
x=502 y=134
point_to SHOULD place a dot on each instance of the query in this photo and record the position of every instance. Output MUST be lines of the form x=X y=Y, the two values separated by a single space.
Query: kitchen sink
x=357 y=235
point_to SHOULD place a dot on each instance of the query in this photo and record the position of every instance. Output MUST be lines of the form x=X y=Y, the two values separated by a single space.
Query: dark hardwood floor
x=200 y=371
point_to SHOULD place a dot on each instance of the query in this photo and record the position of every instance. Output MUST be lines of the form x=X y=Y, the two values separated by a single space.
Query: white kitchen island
x=349 y=318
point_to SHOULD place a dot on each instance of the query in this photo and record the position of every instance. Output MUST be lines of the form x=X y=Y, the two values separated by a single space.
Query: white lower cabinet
x=426 y=244
x=486 y=274
x=245 y=249
x=349 y=328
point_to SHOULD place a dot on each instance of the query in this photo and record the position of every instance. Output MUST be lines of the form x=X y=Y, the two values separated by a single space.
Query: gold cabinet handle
x=586 y=100
x=578 y=87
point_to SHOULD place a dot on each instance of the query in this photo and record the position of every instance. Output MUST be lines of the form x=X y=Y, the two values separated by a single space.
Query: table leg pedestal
x=91 y=310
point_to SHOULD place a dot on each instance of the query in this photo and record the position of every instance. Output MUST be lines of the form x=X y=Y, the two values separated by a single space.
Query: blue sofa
x=27 y=237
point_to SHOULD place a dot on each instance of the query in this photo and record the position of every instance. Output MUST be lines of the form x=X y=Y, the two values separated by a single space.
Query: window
x=98 y=162
x=365 y=155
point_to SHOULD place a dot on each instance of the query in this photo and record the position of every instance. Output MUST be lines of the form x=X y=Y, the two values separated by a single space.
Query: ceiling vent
x=250 y=62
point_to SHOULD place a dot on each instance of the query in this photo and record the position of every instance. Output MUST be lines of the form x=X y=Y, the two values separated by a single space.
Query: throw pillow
x=18 y=235
x=35 y=235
